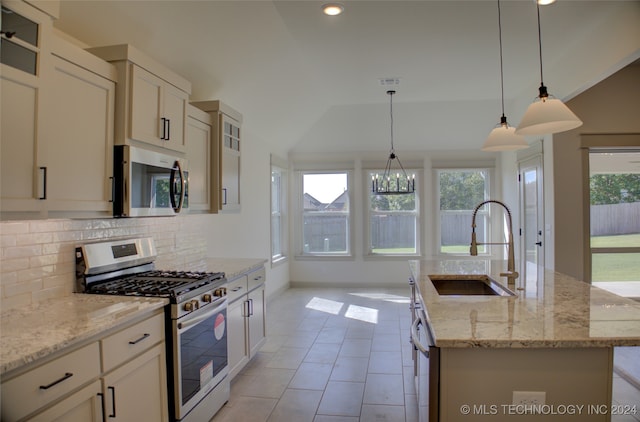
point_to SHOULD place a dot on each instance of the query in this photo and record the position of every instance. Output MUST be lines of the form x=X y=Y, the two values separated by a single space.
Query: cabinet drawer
x=28 y=392
x=256 y=278
x=131 y=341
x=236 y=288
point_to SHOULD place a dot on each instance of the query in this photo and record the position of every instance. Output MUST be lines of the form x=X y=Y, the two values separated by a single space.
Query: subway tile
x=8 y=240
x=33 y=238
x=17 y=289
x=13 y=264
x=14 y=227
x=21 y=252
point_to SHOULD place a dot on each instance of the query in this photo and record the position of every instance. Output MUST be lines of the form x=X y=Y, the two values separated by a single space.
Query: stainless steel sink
x=468 y=285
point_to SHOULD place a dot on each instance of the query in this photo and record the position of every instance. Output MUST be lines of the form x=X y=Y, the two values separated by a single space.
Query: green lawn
x=606 y=267
x=616 y=267
x=619 y=241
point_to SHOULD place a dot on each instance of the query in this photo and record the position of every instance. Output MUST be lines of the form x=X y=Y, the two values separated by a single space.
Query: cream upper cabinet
x=158 y=111
x=201 y=153
x=19 y=172
x=78 y=132
x=227 y=139
x=151 y=99
x=21 y=86
x=57 y=123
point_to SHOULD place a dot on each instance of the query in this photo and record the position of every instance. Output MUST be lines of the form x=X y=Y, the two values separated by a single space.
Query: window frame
x=281 y=212
x=369 y=213
x=301 y=213
x=484 y=211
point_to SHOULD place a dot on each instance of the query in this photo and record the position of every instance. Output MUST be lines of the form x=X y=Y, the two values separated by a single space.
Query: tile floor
x=339 y=355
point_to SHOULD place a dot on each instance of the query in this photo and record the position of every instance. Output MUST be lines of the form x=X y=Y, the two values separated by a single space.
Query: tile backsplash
x=37 y=257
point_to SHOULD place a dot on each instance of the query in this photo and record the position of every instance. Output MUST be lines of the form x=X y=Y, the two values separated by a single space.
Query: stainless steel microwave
x=148 y=183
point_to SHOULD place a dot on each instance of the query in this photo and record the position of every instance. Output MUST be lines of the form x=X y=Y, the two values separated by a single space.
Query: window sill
x=324 y=257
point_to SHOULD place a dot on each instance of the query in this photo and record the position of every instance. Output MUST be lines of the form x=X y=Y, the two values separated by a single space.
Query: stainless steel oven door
x=200 y=358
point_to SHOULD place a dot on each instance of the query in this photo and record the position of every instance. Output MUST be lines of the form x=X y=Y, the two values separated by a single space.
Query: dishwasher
x=426 y=362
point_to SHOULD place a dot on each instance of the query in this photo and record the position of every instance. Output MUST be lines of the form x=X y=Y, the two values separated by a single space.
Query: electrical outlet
x=529 y=398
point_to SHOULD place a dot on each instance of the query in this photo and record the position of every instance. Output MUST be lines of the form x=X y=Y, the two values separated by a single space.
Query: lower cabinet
x=82 y=406
x=137 y=391
x=246 y=318
x=119 y=377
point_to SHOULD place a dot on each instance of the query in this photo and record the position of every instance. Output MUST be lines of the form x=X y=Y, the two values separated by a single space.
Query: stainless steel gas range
x=195 y=319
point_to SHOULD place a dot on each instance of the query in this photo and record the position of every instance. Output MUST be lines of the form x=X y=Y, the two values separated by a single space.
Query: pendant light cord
x=540 y=43
x=391 y=113
x=501 y=71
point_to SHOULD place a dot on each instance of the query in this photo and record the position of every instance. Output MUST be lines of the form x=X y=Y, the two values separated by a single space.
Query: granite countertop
x=41 y=330
x=38 y=331
x=558 y=311
x=233 y=267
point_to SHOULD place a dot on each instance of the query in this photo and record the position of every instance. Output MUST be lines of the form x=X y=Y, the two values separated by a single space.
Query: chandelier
x=388 y=183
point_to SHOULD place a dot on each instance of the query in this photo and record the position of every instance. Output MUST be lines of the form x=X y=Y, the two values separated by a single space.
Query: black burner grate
x=156 y=283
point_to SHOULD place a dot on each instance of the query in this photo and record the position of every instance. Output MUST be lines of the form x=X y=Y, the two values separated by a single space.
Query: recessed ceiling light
x=332 y=9
x=545 y=2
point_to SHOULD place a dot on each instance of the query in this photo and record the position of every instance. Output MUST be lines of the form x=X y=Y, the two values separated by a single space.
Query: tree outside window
x=461 y=190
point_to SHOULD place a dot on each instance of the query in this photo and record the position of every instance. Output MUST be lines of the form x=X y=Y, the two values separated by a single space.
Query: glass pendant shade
x=547 y=115
x=504 y=138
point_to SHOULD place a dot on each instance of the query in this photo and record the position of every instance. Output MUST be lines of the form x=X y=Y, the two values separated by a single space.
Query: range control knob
x=220 y=292
x=191 y=305
x=207 y=298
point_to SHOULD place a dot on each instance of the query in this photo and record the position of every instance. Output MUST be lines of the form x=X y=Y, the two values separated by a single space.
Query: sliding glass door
x=614 y=196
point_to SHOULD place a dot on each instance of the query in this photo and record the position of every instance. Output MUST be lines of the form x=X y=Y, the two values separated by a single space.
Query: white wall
x=247 y=233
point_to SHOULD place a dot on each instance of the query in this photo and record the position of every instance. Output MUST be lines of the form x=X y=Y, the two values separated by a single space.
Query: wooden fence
x=615 y=219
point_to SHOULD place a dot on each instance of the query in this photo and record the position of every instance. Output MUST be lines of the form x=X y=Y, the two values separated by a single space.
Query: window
x=614 y=193
x=278 y=213
x=460 y=191
x=325 y=214
x=393 y=222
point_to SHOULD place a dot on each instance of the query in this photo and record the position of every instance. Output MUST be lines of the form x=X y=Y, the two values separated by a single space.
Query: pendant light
x=390 y=184
x=547 y=114
x=503 y=136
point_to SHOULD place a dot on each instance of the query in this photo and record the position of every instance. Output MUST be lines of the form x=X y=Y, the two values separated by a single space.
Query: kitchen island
x=555 y=338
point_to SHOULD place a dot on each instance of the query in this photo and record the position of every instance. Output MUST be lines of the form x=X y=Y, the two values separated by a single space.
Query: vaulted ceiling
x=306 y=82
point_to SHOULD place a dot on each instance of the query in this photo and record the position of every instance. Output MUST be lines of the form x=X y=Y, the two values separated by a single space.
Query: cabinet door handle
x=224 y=196
x=168 y=129
x=113 y=188
x=66 y=376
x=245 y=311
x=113 y=402
x=44 y=183
x=236 y=289
x=250 y=307
x=144 y=336
x=163 y=136
x=101 y=405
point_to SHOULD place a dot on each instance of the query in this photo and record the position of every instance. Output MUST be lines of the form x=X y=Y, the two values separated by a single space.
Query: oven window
x=203 y=353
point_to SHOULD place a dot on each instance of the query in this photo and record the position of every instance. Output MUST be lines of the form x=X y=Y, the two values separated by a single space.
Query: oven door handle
x=192 y=321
